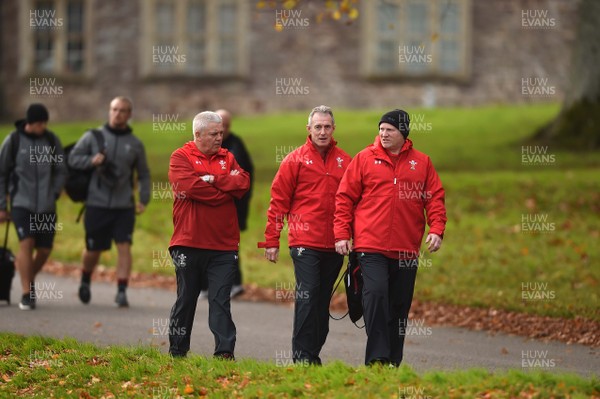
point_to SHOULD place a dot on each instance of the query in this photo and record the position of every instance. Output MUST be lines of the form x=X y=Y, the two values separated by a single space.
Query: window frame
x=27 y=44
x=370 y=44
x=210 y=70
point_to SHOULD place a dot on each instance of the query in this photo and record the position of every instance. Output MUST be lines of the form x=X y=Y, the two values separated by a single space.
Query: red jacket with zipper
x=204 y=214
x=382 y=205
x=303 y=192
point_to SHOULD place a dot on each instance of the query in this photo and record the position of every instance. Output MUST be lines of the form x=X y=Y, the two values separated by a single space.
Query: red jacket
x=303 y=192
x=382 y=206
x=204 y=214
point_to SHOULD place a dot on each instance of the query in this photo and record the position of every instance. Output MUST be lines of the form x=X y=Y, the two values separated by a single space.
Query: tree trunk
x=577 y=126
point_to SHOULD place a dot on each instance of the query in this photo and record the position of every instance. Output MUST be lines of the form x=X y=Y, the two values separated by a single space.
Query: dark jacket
x=235 y=145
x=111 y=185
x=36 y=175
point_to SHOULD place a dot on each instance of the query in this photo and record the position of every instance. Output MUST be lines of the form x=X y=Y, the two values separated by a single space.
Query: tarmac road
x=264 y=332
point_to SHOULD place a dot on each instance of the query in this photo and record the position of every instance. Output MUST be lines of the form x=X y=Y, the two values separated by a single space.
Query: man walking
x=32 y=175
x=110 y=207
x=380 y=204
x=206 y=179
x=234 y=144
x=303 y=193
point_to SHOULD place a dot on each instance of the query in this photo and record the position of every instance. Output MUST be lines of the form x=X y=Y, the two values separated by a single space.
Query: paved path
x=264 y=332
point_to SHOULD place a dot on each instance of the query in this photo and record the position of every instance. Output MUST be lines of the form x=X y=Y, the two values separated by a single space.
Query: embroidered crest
x=339 y=161
x=180 y=260
x=412 y=163
x=223 y=164
x=300 y=250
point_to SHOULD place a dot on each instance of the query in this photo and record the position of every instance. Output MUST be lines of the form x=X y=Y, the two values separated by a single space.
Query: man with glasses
x=303 y=193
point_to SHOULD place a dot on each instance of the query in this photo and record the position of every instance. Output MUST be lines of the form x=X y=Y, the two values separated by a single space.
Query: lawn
x=45 y=367
x=520 y=235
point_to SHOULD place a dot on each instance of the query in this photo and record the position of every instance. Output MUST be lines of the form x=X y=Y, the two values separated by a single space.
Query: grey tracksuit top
x=124 y=152
x=36 y=177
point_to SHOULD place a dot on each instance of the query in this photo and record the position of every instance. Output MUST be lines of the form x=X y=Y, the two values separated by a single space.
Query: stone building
x=188 y=55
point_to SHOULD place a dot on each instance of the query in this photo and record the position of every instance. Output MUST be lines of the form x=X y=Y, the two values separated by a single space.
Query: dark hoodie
x=36 y=174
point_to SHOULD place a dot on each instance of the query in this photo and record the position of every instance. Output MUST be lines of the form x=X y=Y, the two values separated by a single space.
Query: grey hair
x=202 y=120
x=321 y=109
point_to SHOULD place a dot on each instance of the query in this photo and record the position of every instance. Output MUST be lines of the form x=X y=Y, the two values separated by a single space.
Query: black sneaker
x=27 y=302
x=121 y=299
x=84 y=293
x=225 y=356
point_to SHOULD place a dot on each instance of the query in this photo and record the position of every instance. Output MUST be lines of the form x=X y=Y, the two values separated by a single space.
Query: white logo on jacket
x=309 y=161
x=412 y=163
x=339 y=161
x=223 y=164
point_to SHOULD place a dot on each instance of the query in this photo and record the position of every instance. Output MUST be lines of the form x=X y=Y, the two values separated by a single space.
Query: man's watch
x=206 y=178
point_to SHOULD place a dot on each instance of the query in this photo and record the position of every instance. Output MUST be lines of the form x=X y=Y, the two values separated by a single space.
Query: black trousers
x=316 y=272
x=387 y=295
x=237 y=279
x=193 y=267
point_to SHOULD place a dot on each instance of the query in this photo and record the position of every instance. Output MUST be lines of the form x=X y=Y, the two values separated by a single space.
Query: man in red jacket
x=303 y=192
x=380 y=204
x=205 y=179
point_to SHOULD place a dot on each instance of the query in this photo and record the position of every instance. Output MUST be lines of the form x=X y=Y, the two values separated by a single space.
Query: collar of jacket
x=118 y=132
x=20 y=125
x=191 y=148
x=381 y=152
x=313 y=147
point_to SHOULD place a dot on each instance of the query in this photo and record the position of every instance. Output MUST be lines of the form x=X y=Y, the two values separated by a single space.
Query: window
x=416 y=38
x=55 y=37
x=194 y=37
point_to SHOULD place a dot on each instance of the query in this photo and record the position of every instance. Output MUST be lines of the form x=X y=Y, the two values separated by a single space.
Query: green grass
x=45 y=367
x=485 y=258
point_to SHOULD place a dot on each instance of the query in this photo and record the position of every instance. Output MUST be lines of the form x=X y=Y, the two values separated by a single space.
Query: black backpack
x=78 y=180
